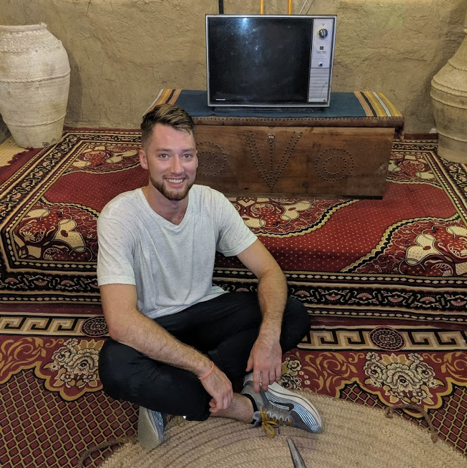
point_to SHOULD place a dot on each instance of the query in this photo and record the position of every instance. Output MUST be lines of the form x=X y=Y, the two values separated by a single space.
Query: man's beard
x=173 y=196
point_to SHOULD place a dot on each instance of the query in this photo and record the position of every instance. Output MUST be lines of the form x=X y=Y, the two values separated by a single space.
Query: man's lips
x=174 y=181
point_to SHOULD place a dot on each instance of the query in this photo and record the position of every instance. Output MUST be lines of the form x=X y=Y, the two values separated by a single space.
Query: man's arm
x=266 y=354
x=130 y=327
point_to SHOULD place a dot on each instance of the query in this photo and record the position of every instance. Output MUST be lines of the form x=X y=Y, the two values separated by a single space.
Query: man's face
x=170 y=156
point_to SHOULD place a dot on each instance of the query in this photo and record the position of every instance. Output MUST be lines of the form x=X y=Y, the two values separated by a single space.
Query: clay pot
x=449 y=99
x=34 y=84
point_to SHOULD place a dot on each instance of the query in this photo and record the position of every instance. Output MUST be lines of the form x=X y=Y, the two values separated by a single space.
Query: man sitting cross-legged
x=178 y=342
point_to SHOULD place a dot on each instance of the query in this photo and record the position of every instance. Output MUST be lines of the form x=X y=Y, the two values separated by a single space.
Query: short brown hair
x=167 y=114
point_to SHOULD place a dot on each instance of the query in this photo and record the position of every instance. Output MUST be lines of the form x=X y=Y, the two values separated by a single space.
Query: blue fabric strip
x=341 y=105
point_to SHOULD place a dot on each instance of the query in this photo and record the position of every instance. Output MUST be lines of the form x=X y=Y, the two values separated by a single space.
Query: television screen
x=268 y=60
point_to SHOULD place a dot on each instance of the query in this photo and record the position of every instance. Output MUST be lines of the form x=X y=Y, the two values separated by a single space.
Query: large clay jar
x=449 y=99
x=34 y=84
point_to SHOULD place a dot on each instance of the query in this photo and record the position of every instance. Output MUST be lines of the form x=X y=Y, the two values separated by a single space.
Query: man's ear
x=143 y=160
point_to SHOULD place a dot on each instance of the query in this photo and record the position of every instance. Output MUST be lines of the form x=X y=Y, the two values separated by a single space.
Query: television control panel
x=322 y=51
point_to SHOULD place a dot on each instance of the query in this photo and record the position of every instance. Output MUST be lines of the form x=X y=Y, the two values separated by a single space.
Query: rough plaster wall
x=123 y=51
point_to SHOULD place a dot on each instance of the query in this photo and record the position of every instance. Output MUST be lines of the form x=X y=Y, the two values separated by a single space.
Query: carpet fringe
x=389 y=412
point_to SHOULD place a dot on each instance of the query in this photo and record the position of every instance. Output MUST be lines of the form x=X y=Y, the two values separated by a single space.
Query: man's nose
x=176 y=164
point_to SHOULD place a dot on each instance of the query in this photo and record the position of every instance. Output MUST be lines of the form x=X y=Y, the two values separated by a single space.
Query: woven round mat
x=354 y=436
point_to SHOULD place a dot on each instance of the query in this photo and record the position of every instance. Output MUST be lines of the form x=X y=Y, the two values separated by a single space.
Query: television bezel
x=305 y=104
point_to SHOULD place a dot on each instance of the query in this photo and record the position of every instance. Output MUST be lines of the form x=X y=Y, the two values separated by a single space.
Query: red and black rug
x=403 y=257
x=384 y=282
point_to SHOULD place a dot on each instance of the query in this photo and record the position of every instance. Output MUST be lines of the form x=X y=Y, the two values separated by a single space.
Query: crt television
x=269 y=60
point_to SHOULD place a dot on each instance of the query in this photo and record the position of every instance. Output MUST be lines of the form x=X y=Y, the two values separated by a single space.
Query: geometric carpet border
x=59 y=325
x=367 y=338
x=364 y=296
x=319 y=337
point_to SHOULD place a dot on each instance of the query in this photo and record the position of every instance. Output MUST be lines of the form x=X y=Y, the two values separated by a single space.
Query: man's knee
x=296 y=324
x=114 y=364
x=129 y=375
x=300 y=314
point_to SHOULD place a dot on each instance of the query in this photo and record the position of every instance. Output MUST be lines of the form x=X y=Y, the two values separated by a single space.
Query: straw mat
x=8 y=149
x=354 y=436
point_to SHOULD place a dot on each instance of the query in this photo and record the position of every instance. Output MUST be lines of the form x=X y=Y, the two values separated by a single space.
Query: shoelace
x=271 y=424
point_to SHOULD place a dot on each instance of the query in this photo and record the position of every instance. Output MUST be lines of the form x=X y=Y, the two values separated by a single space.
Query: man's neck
x=171 y=210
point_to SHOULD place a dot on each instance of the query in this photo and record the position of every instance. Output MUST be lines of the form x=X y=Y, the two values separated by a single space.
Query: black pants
x=225 y=328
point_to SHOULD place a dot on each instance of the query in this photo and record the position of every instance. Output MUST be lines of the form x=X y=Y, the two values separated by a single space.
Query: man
x=177 y=342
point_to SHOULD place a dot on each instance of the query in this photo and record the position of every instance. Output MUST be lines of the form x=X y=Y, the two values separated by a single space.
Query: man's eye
x=163 y=156
x=188 y=156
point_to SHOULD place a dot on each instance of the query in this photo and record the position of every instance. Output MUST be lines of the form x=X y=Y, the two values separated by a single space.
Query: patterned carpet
x=386 y=366
x=53 y=408
x=387 y=295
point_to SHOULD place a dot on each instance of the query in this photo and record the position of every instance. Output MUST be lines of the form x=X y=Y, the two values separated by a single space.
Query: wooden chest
x=342 y=151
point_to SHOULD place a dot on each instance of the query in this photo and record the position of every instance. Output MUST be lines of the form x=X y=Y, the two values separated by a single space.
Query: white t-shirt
x=170 y=265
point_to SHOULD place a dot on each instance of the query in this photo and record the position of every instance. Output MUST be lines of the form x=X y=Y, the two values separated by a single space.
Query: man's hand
x=220 y=388
x=265 y=360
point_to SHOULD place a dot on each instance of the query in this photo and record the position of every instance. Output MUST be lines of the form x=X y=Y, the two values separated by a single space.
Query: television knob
x=323 y=33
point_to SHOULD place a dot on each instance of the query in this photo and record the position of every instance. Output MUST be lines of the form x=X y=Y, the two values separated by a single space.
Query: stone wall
x=123 y=51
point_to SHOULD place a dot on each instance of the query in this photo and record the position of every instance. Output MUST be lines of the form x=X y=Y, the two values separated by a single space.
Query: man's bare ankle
x=241 y=409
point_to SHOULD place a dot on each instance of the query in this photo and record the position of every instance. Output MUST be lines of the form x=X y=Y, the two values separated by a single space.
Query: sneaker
x=281 y=407
x=150 y=428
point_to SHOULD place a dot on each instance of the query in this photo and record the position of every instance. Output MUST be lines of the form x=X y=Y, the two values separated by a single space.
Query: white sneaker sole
x=150 y=428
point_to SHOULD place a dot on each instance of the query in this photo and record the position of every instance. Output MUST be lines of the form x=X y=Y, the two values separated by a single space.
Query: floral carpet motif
x=66 y=366
x=286 y=216
x=404 y=378
x=438 y=248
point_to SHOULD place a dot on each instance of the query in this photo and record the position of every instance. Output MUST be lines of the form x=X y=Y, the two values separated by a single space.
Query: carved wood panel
x=242 y=160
